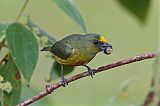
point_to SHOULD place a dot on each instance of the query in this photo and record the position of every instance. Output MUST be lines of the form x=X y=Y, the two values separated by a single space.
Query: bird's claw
x=90 y=72
x=64 y=82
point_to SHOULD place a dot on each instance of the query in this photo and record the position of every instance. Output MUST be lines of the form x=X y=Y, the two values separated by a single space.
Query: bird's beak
x=106 y=48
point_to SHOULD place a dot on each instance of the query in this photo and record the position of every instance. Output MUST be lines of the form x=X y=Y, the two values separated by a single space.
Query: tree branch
x=155 y=84
x=50 y=88
x=42 y=32
x=149 y=98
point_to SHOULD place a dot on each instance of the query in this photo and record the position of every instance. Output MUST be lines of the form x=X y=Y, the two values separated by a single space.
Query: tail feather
x=46 y=48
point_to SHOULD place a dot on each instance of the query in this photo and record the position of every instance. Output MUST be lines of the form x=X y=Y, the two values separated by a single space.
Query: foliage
x=23 y=48
x=10 y=74
x=21 y=37
x=139 y=8
x=2 y=30
x=70 y=9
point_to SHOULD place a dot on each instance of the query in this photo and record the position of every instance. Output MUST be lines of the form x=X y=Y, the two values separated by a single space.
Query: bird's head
x=100 y=43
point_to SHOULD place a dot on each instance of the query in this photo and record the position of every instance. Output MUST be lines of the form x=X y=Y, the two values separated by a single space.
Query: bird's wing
x=62 y=50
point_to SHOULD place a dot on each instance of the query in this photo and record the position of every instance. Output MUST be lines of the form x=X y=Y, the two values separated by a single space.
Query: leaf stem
x=22 y=10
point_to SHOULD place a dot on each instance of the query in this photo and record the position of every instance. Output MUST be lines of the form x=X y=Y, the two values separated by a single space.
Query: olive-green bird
x=78 y=50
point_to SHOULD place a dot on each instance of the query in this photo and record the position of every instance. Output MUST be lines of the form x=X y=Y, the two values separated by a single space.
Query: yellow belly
x=75 y=59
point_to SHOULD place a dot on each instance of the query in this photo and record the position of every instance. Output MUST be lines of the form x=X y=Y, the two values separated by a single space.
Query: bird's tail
x=46 y=48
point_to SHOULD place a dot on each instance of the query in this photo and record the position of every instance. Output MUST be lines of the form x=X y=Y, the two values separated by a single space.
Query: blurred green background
x=122 y=29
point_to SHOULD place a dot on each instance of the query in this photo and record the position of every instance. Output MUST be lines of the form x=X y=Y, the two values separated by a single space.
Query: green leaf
x=70 y=9
x=138 y=7
x=11 y=74
x=23 y=48
x=56 y=71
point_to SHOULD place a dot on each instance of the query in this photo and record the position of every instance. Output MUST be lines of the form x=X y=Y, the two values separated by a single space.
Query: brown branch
x=49 y=89
x=154 y=86
x=158 y=103
x=149 y=98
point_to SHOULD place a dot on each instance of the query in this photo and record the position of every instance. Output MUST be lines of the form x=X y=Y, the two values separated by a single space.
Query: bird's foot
x=64 y=82
x=90 y=71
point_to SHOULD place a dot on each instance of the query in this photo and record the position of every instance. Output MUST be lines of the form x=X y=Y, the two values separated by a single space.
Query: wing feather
x=62 y=49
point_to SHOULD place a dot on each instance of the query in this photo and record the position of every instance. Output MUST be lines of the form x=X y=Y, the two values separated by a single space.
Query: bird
x=78 y=50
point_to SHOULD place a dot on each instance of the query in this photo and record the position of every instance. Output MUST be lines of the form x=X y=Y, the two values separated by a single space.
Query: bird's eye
x=95 y=42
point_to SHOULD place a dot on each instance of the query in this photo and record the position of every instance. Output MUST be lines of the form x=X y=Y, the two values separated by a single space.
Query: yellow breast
x=75 y=59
